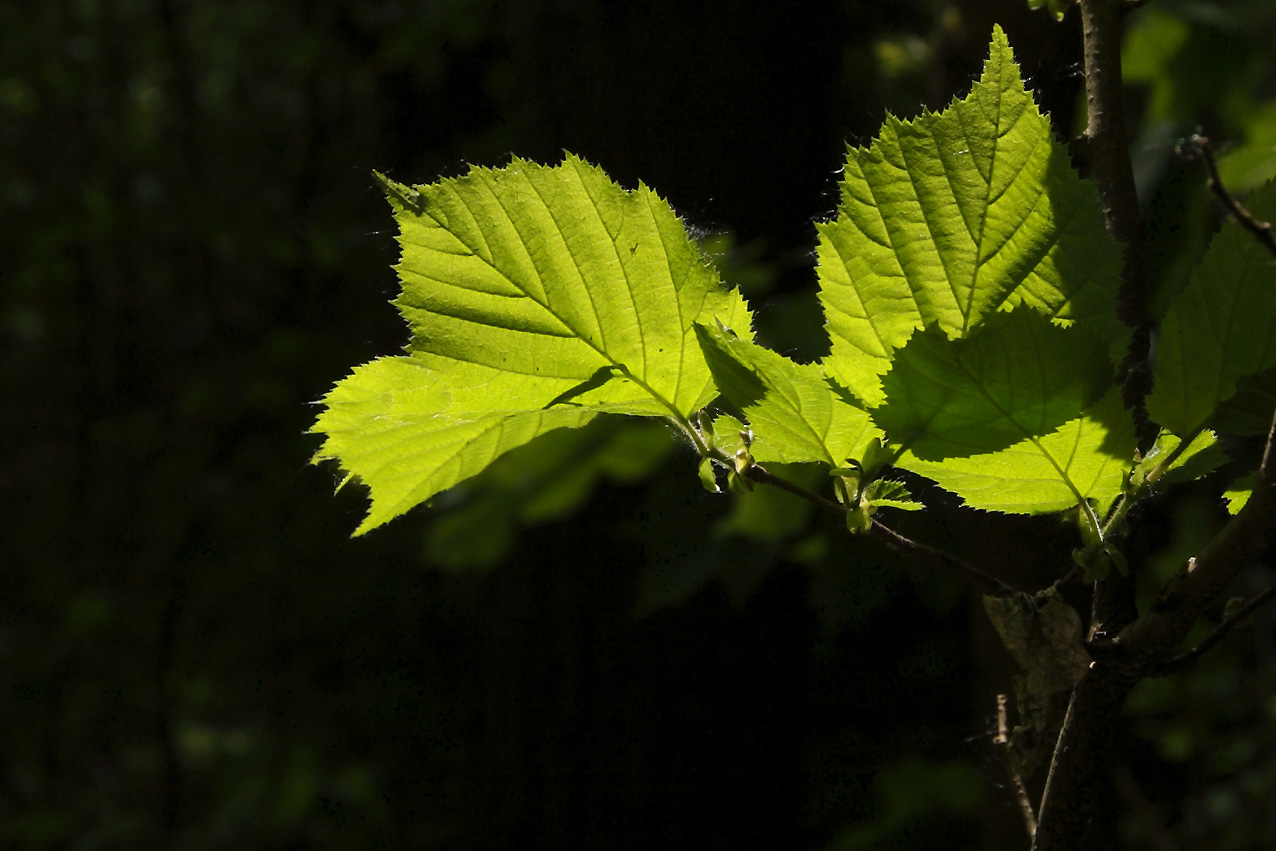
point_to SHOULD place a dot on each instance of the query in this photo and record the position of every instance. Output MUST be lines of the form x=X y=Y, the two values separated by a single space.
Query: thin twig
x=1021 y=791
x=1181 y=661
x=988 y=584
x=1261 y=230
x=759 y=473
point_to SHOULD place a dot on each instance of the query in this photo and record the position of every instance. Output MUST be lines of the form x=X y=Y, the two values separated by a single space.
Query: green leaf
x=1087 y=458
x=954 y=215
x=1018 y=376
x=1221 y=328
x=1239 y=493
x=557 y=271
x=884 y=493
x=1201 y=457
x=538 y=297
x=708 y=476
x=409 y=431
x=796 y=416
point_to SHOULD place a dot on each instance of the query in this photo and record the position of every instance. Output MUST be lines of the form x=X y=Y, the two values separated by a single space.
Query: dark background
x=580 y=648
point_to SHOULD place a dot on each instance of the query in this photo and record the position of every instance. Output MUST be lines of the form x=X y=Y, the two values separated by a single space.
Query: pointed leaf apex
x=954 y=216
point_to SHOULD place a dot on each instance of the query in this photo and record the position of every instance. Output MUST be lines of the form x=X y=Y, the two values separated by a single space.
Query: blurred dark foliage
x=193 y=652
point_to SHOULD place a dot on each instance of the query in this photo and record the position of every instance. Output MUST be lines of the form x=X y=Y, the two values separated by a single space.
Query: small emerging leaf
x=1239 y=493
x=884 y=493
x=708 y=477
x=1201 y=457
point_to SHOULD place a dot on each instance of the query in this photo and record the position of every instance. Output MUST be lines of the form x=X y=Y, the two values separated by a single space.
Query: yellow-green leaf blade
x=796 y=416
x=557 y=271
x=409 y=430
x=957 y=214
x=1086 y=458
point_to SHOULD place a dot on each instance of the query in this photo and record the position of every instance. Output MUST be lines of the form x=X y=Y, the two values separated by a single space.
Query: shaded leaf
x=1018 y=376
x=1086 y=458
x=1221 y=328
x=1249 y=410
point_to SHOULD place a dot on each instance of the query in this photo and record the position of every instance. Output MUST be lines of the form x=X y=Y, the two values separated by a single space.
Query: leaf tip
x=404 y=195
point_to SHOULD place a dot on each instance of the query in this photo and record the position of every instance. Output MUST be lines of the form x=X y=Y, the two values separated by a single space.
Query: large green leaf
x=1017 y=376
x=956 y=214
x=538 y=297
x=795 y=414
x=557 y=271
x=1086 y=458
x=1221 y=328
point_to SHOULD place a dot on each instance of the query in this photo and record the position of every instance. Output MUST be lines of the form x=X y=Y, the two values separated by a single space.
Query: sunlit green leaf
x=795 y=414
x=1239 y=493
x=409 y=431
x=538 y=297
x=884 y=493
x=1201 y=457
x=951 y=216
x=557 y=271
